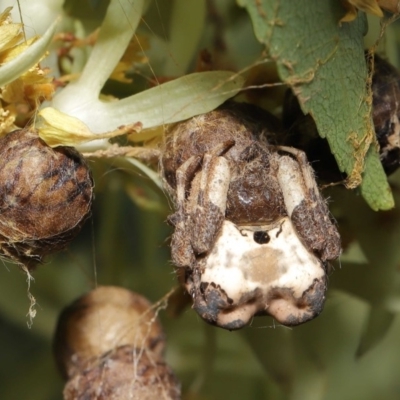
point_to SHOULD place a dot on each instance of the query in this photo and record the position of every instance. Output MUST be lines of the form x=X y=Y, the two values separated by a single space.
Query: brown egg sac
x=109 y=345
x=386 y=112
x=45 y=197
x=122 y=374
x=101 y=320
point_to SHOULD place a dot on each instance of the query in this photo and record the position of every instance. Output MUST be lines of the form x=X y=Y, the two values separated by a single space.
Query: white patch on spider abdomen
x=276 y=277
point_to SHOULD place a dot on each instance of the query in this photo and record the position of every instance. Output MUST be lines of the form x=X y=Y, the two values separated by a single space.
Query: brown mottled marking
x=45 y=196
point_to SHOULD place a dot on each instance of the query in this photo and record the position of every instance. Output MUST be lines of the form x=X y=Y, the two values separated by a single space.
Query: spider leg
x=181 y=250
x=210 y=194
x=199 y=215
x=305 y=205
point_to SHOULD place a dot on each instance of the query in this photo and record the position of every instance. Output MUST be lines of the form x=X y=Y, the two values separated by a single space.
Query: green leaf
x=170 y=102
x=378 y=235
x=184 y=38
x=179 y=99
x=116 y=31
x=323 y=62
x=377 y=325
x=276 y=354
x=374 y=186
x=86 y=9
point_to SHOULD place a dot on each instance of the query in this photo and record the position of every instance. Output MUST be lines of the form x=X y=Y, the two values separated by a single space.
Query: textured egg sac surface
x=386 y=112
x=109 y=345
x=45 y=196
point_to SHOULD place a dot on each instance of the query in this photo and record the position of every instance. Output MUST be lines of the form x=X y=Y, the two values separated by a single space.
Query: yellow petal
x=133 y=55
x=13 y=92
x=6 y=121
x=25 y=56
x=5 y=16
x=119 y=73
x=390 y=5
x=59 y=129
x=13 y=52
x=351 y=12
x=368 y=6
x=10 y=35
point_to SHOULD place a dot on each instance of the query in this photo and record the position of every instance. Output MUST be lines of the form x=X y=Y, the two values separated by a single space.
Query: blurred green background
x=351 y=351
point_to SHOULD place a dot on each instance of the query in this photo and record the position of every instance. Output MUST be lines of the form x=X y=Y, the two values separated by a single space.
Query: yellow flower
x=20 y=97
x=133 y=54
x=352 y=7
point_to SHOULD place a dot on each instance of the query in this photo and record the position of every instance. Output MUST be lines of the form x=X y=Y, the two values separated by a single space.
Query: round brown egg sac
x=125 y=373
x=100 y=321
x=386 y=112
x=45 y=197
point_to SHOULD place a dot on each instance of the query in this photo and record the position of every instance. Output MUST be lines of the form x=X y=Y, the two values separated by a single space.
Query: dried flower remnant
x=253 y=234
x=22 y=94
x=45 y=197
x=373 y=7
x=109 y=345
x=352 y=6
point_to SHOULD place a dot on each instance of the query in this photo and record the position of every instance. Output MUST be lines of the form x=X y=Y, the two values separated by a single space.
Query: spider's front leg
x=199 y=215
x=208 y=202
x=181 y=250
x=305 y=205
